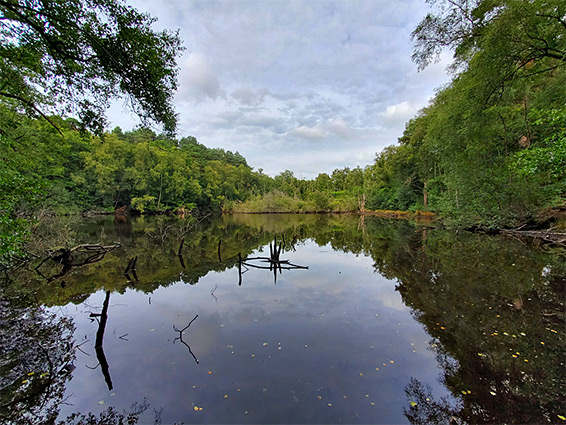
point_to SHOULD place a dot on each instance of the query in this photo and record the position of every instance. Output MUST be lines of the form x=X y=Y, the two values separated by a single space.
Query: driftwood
x=74 y=257
x=273 y=262
x=543 y=236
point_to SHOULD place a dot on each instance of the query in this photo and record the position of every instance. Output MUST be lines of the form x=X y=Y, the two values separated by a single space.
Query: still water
x=357 y=321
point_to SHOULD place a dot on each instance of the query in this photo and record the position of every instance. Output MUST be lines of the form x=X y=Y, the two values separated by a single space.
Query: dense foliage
x=73 y=56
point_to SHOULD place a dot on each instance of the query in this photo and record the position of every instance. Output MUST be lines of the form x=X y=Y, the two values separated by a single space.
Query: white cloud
x=197 y=79
x=401 y=112
x=303 y=85
x=249 y=97
x=308 y=133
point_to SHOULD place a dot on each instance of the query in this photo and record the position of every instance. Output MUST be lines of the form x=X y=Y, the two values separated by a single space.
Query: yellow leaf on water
x=413 y=404
x=561 y=417
x=31 y=373
x=101 y=402
x=391 y=361
x=225 y=395
x=25 y=381
x=319 y=397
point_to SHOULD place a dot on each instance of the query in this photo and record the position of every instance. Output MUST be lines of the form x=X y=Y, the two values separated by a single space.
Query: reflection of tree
x=36 y=355
x=466 y=290
x=180 y=337
x=424 y=410
x=503 y=362
x=98 y=348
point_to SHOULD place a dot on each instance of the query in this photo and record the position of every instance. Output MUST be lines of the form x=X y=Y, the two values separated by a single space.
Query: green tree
x=74 y=56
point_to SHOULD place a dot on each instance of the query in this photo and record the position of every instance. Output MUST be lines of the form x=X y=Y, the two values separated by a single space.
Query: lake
x=285 y=319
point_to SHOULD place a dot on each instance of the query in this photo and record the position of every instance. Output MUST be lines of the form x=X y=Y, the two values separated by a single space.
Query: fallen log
x=543 y=236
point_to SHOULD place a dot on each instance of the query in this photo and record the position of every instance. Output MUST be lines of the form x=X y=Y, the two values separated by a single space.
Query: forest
x=489 y=151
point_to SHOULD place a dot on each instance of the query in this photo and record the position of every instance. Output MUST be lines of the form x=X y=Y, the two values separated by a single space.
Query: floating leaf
x=561 y=417
x=225 y=395
x=265 y=344
x=197 y=408
x=413 y=404
x=319 y=397
x=329 y=404
x=391 y=361
x=25 y=381
x=31 y=373
x=101 y=402
x=492 y=393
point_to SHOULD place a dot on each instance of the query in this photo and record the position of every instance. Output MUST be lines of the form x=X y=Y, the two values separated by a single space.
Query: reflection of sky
x=341 y=346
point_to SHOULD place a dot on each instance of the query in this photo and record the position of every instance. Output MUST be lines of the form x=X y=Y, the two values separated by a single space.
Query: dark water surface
x=390 y=323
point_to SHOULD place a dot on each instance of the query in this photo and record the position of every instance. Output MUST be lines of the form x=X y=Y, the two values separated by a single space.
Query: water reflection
x=98 y=347
x=180 y=337
x=485 y=314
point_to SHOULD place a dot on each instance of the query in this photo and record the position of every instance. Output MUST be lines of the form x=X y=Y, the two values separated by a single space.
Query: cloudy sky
x=308 y=86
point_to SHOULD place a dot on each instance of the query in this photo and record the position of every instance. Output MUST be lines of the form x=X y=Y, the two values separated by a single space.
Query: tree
x=74 y=56
x=524 y=31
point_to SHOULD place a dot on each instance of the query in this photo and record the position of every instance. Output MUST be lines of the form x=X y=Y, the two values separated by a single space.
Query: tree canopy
x=74 y=56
